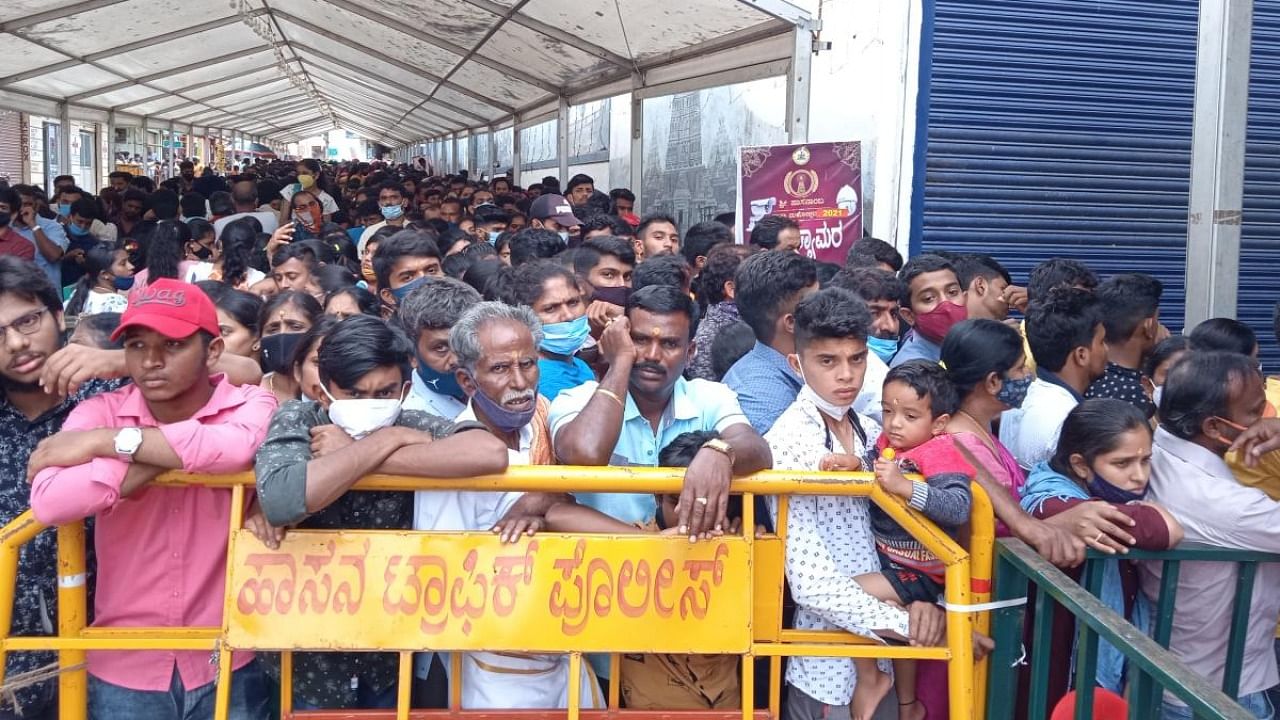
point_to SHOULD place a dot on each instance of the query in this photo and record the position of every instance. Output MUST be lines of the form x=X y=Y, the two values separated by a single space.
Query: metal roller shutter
x=1260 y=233
x=11 y=147
x=1058 y=127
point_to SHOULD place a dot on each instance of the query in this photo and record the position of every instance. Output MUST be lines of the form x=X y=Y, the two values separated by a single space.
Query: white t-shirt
x=204 y=271
x=102 y=302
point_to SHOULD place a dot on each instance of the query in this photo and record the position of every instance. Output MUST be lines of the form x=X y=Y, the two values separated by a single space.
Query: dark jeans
x=248 y=699
x=366 y=699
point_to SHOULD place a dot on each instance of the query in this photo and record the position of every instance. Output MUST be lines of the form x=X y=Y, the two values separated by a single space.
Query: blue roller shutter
x=1260 y=235
x=1058 y=127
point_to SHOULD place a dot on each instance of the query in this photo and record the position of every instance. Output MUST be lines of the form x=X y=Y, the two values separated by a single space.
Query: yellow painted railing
x=968 y=582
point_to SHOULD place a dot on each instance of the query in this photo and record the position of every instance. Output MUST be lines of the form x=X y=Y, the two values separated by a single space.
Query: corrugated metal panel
x=1260 y=241
x=11 y=147
x=1059 y=127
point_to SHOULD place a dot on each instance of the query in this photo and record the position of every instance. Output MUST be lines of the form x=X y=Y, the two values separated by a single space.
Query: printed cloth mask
x=445 y=383
x=1104 y=490
x=565 y=338
x=1014 y=392
x=502 y=418
x=360 y=417
x=309 y=219
x=884 y=348
x=935 y=323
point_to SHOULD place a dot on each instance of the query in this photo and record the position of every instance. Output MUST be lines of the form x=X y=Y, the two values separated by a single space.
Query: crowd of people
x=316 y=323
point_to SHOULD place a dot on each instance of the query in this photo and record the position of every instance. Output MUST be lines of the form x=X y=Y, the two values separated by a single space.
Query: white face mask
x=1157 y=394
x=360 y=418
x=832 y=410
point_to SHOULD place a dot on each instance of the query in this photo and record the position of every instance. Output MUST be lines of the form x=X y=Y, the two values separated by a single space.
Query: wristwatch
x=721 y=447
x=128 y=440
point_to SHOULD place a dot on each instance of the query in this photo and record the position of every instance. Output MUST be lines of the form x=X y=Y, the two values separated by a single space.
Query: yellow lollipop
x=888 y=454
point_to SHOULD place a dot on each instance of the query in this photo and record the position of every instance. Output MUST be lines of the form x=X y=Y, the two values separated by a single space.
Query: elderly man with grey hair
x=496 y=351
x=426 y=316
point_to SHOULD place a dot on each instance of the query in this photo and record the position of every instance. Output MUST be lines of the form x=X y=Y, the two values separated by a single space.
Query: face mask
x=1157 y=394
x=1013 y=392
x=355 y=233
x=306 y=181
x=64 y=209
x=75 y=230
x=403 y=291
x=202 y=253
x=366 y=272
x=884 y=348
x=831 y=409
x=124 y=283
x=612 y=295
x=564 y=236
x=1104 y=490
x=935 y=323
x=493 y=237
x=565 y=338
x=307 y=220
x=502 y=418
x=4 y=219
x=359 y=418
x=445 y=383
x=391 y=212
x=277 y=351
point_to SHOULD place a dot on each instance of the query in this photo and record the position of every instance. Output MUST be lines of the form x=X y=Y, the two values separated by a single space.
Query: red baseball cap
x=172 y=308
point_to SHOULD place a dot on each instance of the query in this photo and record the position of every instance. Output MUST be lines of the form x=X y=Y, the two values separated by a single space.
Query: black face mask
x=4 y=219
x=613 y=295
x=277 y=352
x=202 y=253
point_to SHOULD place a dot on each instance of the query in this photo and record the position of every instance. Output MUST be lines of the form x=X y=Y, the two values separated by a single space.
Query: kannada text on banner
x=818 y=185
x=548 y=593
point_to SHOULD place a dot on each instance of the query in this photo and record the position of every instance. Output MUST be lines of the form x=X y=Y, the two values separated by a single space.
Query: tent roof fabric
x=394 y=71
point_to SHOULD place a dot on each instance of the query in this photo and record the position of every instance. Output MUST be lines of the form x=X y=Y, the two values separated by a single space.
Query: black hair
x=721 y=266
x=680 y=451
x=1059 y=272
x=455 y=265
x=97 y=260
x=392 y=185
x=332 y=278
x=766 y=230
x=482 y=274
x=405 y=243
x=359 y=345
x=532 y=243
x=670 y=270
x=366 y=208
x=826 y=272
x=974 y=349
x=24 y=279
x=315 y=334
x=579 y=179
x=919 y=265
x=1061 y=322
x=878 y=250
x=1224 y=334
x=85 y=207
x=832 y=313
x=244 y=307
x=166 y=248
x=618 y=247
x=1198 y=388
x=164 y=203
x=978 y=265
x=605 y=221
x=220 y=204
x=1126 y=301
x=870 y=283
x=193 y=205
x=1164 y=350
x=524 y=284
x=729 y=345
x=303 y=301
x=927 y=378
x=700 y=238
x=665 y=300
x=1093 y=428
x=102 y=325
x=201 y=228
x=728 y=219
x=486 y=214
x=657 y=217
x=296 y=251
x=239 y=238
x=765 y=282
x=477 y=251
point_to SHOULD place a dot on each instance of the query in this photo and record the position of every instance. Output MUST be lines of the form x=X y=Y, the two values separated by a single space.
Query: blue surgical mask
x=445 y=383
x=124 y=283
x=493 y=237
x=884 y=348
x=1104 y=490
x=564 y=236
x=1013 y=392
x=64 y=209
x=392 y=212
x=565 y=338
x=502 y=418
x=76 y=231
x=403 y=291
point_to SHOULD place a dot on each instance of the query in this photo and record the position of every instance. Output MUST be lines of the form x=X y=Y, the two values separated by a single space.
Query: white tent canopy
x=394 y=71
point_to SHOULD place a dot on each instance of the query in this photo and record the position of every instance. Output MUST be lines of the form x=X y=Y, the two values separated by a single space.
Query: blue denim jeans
x=1256 y=703
x=248 y=699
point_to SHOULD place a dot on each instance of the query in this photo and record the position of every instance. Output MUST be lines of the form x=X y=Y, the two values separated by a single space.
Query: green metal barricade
x=1152 y=669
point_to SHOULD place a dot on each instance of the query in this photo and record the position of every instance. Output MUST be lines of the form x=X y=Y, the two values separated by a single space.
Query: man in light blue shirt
x=48 y=237
x=768 y=286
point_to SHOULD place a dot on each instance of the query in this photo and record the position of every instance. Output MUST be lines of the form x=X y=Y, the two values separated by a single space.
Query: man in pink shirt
x=161 y=550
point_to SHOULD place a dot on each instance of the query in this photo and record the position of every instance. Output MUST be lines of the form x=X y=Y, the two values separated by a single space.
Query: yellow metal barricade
x=402 y=591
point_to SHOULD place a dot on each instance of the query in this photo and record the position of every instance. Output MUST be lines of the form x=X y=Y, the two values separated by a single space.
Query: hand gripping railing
x=968 y=581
